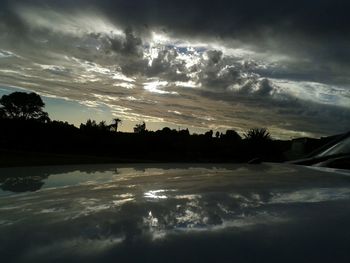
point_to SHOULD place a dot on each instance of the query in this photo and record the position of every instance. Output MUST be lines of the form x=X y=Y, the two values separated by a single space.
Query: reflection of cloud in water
x=311 y=196
x=51 y=210
x=95 y=216
x=73 y=247
x=122 y=201
x=192 y=222
x=4 y=208
x=104 y=186
x=124 y=195
x=89 y=206
x=189 y=197
x=5 y=223
x=254 y=200
x=123 y=198
x=156 y=194
x=240 y=221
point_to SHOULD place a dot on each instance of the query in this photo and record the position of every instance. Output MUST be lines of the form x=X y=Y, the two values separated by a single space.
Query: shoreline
x=28 y=159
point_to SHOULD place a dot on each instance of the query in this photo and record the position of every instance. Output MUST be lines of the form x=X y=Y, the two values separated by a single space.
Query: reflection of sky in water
x=90 y=211
x=311 y=195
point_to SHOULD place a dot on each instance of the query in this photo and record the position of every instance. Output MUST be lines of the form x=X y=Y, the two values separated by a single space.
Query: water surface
x=174 y=213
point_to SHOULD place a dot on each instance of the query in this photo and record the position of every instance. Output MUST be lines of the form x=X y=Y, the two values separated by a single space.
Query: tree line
x=25 y=126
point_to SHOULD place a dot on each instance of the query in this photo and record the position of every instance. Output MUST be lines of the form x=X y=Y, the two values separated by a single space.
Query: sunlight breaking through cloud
x=90 y=56
x=156 y=87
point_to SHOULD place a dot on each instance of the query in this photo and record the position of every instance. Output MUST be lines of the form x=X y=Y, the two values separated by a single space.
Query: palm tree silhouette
x=258 y=135
x=115 y=124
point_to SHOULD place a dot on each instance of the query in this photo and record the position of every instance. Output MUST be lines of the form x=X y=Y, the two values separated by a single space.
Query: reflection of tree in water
x=32 y=178
x=22 y=184
x=140 y=169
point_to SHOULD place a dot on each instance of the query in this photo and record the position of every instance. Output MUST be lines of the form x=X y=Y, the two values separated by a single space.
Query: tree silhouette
x=102 y=126
x=209 y=134
x=258 y=135
x=115 y=124
x=89 y=125
x=22 y=184
x=93 y=126
x=140 y=127
x=25 y=106
x=232 y=135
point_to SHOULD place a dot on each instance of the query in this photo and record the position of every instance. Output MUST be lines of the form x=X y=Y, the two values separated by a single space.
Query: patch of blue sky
x=67 y=110
x=6 y=54
x=328 y=98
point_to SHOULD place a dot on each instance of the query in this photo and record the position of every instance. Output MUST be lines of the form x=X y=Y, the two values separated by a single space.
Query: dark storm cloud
x=293 y=114
x=128 y=45
x=318 y=29
x=227 y=17
x=227 y=64
x=313 y=18
x=166 y=66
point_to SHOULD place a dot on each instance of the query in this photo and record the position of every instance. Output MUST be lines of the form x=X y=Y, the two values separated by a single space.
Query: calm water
x=174 y=213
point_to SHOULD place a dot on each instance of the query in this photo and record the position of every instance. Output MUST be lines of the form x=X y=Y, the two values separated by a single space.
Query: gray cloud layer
x=227 y=64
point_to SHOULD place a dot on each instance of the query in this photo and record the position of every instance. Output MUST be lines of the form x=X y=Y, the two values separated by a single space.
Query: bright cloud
x=153 y=73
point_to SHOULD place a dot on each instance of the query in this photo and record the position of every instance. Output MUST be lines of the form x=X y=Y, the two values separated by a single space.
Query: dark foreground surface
x=174 y=213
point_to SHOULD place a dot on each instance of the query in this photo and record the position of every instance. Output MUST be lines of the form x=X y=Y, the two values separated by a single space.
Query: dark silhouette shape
x=231 y=135
x=260 y=146
x=102 y=126
x=140 y=127
x=184 y=133
x=58 y=142
x=166 y=131
x=209 y=134
x=89 y=125
x=2 y=113
x=25 y=106
x=115 y=124
x=258 y=135
x=22 y=184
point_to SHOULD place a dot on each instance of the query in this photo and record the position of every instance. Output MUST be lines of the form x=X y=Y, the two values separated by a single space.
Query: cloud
x=234 y=64
x=6 y=54
x=126 y=44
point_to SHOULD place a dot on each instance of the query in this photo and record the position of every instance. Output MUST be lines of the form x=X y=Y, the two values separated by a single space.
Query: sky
x=228 y=64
